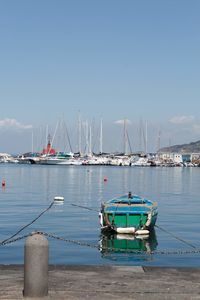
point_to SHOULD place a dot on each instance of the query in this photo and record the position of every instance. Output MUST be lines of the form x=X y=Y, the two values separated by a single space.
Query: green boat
x=129 y=214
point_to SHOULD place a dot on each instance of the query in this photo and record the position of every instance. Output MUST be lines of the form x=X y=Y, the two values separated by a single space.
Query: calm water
x=30 y=189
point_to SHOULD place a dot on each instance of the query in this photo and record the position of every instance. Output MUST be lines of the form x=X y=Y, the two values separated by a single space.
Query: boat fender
x=148 y=222
x=142 y=232
x=101 y=219
x=126 y=230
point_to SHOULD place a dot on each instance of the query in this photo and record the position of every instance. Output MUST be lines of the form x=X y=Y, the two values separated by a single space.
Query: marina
x=109 y=159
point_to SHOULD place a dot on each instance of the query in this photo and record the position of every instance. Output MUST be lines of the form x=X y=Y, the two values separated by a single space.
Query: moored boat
x=129 y=214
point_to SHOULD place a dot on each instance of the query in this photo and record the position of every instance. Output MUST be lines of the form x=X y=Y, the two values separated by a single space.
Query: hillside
x=193 y=147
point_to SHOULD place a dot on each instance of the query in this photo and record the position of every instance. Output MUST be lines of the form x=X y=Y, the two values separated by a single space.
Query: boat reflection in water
x=128 y=247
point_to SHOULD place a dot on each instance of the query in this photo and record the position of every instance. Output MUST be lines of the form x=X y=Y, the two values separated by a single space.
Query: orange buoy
x=3 y=183
x=105 y=179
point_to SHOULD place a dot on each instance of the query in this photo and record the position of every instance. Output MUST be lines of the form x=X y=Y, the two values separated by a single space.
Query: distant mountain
x=193 y=147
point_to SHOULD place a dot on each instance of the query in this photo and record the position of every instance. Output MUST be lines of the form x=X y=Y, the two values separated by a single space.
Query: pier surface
x=107 y=282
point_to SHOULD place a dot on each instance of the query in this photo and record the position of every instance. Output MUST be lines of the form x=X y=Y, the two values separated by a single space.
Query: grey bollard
x=36 y=253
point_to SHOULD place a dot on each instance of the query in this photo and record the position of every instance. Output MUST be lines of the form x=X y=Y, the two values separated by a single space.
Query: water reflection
x=119 y=246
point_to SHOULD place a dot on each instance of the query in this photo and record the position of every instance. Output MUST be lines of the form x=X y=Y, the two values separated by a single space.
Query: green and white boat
x=129 y=214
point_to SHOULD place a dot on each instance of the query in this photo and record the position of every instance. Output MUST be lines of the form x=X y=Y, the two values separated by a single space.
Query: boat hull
x=135 y=216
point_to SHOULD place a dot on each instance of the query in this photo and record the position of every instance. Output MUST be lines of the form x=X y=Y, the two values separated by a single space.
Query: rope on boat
x=27 y=225
x=176 y=237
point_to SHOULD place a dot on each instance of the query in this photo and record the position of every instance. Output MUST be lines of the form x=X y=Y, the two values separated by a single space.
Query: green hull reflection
x=118 y=245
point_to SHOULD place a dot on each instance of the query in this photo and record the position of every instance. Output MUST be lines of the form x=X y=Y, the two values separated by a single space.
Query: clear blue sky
x=113 y=59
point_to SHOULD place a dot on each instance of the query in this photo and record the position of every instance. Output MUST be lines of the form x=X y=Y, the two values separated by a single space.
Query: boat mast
x=125 y=137
x=86 y=137
x=144 y=133
x=90 y=140
x=146 y=137
x=32 y=142
x=158 y=145
x=79 y=134
x=101 y=138
x=47 y=133
x=140 y=135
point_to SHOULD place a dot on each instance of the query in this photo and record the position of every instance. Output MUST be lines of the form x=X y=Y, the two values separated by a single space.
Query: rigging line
x=85 y=207
x=176 y=237
x=12 y=236
x=67 y=132
x=129 y=143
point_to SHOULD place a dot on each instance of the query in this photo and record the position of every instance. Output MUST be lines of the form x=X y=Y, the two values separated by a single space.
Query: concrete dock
x=107 y=282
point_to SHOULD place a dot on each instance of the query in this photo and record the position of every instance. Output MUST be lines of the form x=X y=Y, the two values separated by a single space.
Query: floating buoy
x=3 y=184
x=59 y=199
x=105 y=179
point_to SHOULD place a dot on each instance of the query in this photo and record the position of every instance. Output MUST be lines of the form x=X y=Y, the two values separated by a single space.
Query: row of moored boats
x=61 y=158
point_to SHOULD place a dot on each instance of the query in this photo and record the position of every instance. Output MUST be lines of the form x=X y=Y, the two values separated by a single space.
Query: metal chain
x=10 y=241
x=107 y=250
x=80 y=243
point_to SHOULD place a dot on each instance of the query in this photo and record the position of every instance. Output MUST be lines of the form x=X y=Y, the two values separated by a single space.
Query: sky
x=91 y=60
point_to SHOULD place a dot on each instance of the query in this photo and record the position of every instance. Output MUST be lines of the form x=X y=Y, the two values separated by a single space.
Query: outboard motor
x=129 y=195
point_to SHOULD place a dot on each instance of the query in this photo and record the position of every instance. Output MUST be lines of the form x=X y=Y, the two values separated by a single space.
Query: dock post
x=36 y=253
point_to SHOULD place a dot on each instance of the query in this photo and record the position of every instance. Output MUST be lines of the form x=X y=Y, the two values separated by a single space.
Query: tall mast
x=86 y=136
x=79 y=133
x=32 y=142
x=146 y=137
x=140 y=135
x=47 y=133
x=144 y=133
x=101 y=138
x=125 y=136
x=158 y=146
x=90 y=140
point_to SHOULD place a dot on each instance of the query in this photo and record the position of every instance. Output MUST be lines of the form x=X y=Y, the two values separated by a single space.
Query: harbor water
x=73 y=229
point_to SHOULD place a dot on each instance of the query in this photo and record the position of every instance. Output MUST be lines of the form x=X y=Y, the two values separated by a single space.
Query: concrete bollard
x=36 y=253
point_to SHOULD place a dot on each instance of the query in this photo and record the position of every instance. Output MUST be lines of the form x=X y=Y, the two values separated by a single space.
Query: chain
x=10 y=241
x=80 y=243
x=107 y=250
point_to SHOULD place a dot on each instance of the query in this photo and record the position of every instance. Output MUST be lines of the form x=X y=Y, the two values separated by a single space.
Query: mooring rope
x=176 y=237
x=85 y=207
x=27 y=225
